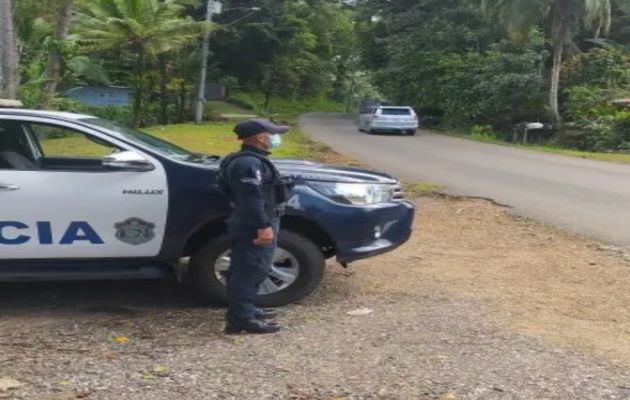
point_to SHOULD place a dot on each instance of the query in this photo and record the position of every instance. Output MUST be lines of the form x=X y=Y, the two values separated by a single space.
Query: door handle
x=7 y=188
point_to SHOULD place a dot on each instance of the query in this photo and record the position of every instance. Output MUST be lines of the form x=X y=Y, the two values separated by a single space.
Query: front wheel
x=298 y=268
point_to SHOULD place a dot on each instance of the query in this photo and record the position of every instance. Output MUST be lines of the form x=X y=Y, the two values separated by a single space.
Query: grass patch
x=73 y=146
x=288 y=109
x=221 y=107
x=610 y=157
x=219 y=139
x=421 y=189
x=209 y=138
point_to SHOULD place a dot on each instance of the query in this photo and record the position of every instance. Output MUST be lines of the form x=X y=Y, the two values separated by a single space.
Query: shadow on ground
x=110 y=297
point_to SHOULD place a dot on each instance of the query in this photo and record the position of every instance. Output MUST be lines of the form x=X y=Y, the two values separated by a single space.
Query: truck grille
x=399 y=194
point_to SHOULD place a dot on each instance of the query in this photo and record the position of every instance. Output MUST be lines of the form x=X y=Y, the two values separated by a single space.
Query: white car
x=389 y=119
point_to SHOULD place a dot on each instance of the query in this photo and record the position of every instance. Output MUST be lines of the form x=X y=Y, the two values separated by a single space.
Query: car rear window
x=395 y=111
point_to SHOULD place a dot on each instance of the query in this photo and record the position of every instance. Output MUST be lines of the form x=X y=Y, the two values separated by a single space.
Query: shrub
x=620 y=135
x=586 y=134
x=483 y=132
x=591 y=102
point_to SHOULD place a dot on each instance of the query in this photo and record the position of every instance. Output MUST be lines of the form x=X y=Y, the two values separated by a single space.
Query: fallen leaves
x=161 y=370
x=121 y=339
x=360 y=311
x=7 y=384
x=158 y=371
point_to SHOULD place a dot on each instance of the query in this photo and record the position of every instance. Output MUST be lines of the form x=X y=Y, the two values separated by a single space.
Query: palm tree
x=563 y=18
x=145 y=28
x=55 y=60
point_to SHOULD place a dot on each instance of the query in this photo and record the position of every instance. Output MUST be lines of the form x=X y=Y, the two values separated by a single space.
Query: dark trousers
x=249 y=266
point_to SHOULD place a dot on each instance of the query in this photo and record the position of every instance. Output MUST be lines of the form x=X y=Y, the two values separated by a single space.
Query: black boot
x=250 y=326
x=265 y=313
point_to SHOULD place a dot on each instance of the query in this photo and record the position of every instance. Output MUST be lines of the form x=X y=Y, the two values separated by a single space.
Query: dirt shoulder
x=479 y=304
x=546 y=283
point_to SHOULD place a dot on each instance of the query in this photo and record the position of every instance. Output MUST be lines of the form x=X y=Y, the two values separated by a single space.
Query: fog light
x=378 y=231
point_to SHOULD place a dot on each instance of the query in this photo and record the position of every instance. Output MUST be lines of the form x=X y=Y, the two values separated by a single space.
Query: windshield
x=396 y=111
x=153 y=143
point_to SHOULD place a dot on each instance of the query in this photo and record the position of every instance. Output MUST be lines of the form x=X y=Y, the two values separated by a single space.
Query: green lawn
x=219 y=139
x=610 y=157
x=209 y=138
x=221 y=107
x=73 y=146
x=288 y=109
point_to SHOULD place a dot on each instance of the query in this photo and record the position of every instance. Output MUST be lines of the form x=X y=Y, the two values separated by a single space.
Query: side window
x=16 y=151
x=61 y=142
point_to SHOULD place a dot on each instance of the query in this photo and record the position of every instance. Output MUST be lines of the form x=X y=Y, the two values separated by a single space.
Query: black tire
x=311 y=270
x=411 y=132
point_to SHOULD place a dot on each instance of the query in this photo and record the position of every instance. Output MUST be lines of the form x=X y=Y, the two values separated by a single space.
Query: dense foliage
x=497 y=63
x=474 y=65
x=277 y=48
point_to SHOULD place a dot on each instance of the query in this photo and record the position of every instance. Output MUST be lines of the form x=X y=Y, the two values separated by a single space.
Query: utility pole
x=9 y=52
x=1 y=66
x=213 y=7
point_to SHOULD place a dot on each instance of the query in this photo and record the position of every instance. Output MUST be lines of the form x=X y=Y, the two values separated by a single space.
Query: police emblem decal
x=135 y=231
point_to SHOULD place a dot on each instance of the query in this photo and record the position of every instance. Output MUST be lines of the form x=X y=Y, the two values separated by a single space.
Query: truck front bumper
x=356 y=232
x=382 y=230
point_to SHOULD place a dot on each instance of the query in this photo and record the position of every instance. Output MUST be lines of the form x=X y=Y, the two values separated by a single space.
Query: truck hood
x=301 y=170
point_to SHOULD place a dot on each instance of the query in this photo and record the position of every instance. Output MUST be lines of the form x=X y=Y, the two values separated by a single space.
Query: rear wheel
x=411 y=132
x=297 y=269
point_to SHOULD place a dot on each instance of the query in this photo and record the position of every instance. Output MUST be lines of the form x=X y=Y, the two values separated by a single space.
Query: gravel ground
x=478 y=305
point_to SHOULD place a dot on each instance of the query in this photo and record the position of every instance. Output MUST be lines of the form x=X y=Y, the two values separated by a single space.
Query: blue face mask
x=275 y=141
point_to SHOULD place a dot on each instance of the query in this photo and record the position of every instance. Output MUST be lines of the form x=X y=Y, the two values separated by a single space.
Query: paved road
x=583 y=196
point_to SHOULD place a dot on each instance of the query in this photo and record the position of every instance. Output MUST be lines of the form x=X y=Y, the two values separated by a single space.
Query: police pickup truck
x=85 y=198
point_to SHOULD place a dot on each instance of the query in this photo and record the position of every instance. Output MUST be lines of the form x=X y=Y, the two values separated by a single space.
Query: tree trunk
x=54 y=67
x=9 y=51
x=558 y=49
x=268 y=93
x=350 y=95
x=163 y=91
x=139 y=90
x=267 y=98
x=183 y=93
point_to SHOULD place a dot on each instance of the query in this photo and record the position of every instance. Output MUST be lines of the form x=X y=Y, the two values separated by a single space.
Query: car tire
x=411 y=132
x=310 y=261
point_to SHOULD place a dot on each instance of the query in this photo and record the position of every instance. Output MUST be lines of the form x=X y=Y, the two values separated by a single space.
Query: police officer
x=257 y=193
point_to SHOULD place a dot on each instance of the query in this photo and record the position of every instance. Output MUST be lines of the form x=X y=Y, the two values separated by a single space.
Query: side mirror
x=127 y=161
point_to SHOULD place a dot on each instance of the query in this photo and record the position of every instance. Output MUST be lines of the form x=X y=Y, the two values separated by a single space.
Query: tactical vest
x=275 y=193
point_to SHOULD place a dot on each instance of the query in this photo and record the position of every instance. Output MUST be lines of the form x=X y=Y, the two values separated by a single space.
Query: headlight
x=355 y=193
